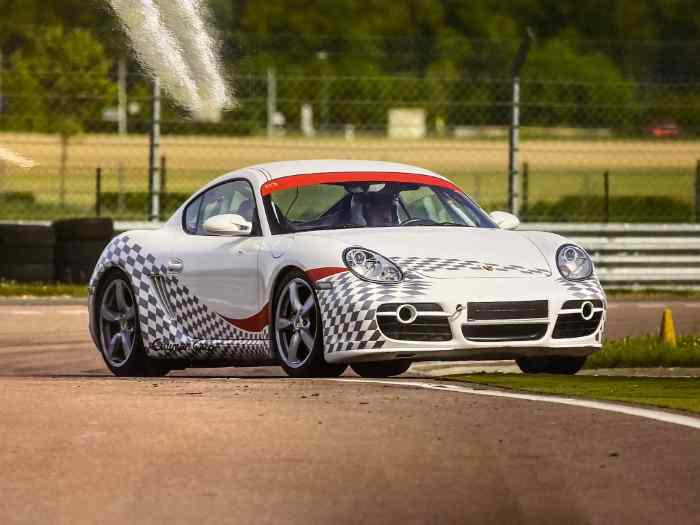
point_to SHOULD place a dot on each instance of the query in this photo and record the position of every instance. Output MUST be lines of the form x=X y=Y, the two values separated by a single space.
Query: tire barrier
x=27 y=253
x=79 y=243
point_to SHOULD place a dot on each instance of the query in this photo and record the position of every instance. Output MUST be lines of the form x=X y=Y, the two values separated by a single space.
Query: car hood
x=450 y=252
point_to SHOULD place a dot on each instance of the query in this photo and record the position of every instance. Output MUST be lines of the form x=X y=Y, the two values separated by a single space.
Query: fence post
x=514 y=131
x=606 y=204
x=153 y=154
x=163 y=182
x=526 y=189
x=98 y=191
x=120 y=188
x=271 y=101
x=697 y=191
x=122 y=111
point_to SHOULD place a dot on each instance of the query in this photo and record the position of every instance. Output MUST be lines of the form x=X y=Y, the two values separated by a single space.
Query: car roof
x=275 y=170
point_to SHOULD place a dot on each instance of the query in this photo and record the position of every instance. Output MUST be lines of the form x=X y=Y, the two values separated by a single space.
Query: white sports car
x=316 y=265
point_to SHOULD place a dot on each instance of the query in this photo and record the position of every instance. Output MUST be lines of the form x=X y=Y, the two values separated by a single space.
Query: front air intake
x=414 y=322
x=482 y=333
x=505 y=310
x=571 y=326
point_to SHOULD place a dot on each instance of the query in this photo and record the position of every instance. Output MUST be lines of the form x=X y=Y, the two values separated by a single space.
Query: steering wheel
x=418 y=222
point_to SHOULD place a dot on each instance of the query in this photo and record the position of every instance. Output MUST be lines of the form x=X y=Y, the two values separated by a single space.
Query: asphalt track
x=246 y=445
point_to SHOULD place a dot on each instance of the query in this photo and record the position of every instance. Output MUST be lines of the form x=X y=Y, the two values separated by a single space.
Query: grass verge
x=14 y=289
x=650 y=294
x=668 y=392
x=647 y=352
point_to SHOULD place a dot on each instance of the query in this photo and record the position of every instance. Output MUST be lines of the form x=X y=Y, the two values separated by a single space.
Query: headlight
x=574 y=263
x=371 y=266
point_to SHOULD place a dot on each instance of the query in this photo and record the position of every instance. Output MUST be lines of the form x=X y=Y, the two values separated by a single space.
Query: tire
x=27 y=273
x=26 y=234
x=92 y=229
x=296 y=316
x=561 y=365
x=117 y=319
x=381 y=368
x=26 y=254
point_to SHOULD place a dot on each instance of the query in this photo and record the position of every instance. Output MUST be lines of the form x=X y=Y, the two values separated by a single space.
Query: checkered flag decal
x=196 y=333
x=348 y=309
x=587 y=289
x=427 y=265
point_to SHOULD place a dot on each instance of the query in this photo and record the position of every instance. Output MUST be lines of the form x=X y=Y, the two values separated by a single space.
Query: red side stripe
x=316 y=274
x=254 y=323
x=294 y=181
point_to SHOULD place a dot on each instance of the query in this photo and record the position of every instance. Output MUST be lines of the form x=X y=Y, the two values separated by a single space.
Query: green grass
x=650 y=293
x=674 y=393
x=647 y=352
x=14 y=289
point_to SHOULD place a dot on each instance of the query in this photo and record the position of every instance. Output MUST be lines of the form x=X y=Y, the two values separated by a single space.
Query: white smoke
x=171 y=40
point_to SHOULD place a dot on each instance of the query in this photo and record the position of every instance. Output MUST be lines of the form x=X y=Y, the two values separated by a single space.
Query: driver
x=378 y=209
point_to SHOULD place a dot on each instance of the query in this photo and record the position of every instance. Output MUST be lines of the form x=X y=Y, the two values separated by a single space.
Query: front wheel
x=119 y=334
x=297 y=329
x=381 y=368
x=562 y=365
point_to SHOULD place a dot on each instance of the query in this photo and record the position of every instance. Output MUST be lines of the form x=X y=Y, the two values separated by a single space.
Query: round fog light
x=406 y=313
x=587 y=310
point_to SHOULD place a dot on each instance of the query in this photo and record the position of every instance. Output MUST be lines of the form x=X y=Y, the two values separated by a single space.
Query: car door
x=222 y=271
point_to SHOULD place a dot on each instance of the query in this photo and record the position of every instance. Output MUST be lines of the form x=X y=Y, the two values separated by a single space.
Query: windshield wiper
x=330 y=227
x=448 y=223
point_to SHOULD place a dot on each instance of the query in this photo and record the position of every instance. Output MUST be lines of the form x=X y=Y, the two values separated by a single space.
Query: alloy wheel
x=118 y=322
x=296 y=324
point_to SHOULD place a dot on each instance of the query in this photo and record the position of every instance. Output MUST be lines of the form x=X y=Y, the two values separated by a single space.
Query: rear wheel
x=381 y=368
x=119 y=333
x=297 y=329
x=564 y=365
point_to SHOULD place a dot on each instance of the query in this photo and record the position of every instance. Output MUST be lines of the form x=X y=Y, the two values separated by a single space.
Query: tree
x=59 y=84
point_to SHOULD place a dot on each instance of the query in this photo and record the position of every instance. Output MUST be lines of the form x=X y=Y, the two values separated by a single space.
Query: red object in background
x=664 y=129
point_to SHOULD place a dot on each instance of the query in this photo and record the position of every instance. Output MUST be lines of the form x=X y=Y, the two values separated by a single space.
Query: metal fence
x=590 y=152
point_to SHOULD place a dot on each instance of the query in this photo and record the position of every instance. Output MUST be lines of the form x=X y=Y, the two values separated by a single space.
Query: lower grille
x=424 y=328
x=504 y=332
x=570 y=326
x=496 y=311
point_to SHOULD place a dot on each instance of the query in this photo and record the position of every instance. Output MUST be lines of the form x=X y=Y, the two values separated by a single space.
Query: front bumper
x=352 y=333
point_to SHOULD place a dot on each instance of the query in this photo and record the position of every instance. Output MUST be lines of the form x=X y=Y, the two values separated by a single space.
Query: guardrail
x=638 y=256
x=627 y=256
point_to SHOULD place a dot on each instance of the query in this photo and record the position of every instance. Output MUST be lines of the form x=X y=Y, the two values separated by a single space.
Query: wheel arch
x=281 y=274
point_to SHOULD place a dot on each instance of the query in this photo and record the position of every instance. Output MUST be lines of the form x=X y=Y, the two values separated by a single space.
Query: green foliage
x=57 y=290
x=136 y=202
x=646 y=352
x=627 y=208
x=60 y=82
x=679 y=393
x=600 y=98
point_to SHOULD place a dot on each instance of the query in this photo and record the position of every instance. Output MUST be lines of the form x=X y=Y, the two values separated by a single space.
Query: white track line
x=648 y=413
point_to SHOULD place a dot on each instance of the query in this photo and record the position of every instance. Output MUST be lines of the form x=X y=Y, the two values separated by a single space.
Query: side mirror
x=228 y=224
x=505 y=220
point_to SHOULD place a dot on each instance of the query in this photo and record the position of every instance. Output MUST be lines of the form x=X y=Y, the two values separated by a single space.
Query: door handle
x=175 y=265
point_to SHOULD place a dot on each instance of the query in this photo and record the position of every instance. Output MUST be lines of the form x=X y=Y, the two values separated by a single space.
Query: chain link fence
x=589 y=152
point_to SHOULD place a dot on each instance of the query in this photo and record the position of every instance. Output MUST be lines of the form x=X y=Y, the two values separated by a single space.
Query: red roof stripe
x=310 y=179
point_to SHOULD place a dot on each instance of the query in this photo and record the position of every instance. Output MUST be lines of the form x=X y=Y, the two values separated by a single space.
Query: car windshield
x=374 y=204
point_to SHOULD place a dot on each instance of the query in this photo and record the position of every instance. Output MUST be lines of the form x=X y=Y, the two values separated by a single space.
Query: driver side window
x=234 y=197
